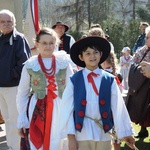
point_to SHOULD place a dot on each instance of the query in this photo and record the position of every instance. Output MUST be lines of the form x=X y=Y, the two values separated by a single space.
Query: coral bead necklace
x=52 y=70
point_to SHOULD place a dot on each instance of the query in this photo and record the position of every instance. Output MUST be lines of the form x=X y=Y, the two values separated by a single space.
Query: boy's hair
x=92 y=47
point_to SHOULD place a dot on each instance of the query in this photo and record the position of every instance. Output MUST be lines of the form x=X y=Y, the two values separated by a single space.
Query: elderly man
x=14 y=51
x=66 y=40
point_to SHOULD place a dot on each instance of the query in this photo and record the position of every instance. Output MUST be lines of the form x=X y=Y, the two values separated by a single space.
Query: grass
x=141 y=144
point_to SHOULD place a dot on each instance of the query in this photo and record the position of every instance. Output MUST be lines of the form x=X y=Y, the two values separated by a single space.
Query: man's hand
x=145 y=68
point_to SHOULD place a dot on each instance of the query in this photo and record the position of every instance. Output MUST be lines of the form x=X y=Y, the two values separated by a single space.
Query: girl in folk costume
x=125 y=62
x=92 y=98
x=109 y=65
x=43 y=78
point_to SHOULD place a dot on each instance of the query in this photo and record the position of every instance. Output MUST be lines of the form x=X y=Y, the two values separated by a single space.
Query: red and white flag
x=35 y=14
x=31 y=24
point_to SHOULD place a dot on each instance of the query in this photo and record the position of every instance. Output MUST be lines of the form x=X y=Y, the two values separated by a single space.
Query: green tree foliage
x=121 y=34
x=144 y=14
x=80 y=14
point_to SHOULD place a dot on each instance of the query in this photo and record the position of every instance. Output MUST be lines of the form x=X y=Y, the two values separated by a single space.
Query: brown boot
x=1 y=119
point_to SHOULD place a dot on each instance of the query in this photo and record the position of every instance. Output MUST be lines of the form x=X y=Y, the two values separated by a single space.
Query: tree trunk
x=134 y=1
x=89 y=13
x=77 y=15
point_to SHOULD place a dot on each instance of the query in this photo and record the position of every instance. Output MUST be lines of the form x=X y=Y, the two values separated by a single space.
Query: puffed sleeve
x=22 y=99
x=67 y=108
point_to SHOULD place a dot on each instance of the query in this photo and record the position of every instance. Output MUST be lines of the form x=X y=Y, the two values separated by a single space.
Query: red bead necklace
x=52 y=70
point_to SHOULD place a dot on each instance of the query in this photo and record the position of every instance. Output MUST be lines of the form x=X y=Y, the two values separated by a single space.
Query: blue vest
x=104 y=100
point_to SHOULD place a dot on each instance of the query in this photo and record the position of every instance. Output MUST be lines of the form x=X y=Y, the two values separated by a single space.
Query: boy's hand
x=72 y=143
x=130 y=141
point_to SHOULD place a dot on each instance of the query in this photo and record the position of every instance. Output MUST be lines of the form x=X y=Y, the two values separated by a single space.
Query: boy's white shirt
x=90 y=130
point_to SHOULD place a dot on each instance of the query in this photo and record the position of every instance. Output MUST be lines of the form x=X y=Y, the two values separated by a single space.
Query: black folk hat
x=81 y=44
x=60 y=23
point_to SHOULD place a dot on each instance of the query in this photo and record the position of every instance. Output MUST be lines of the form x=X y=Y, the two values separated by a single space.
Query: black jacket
x=14 y=51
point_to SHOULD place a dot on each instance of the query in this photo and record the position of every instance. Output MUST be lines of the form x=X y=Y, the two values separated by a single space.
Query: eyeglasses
x=147 y=37
x=46 y=44
x=3 y=22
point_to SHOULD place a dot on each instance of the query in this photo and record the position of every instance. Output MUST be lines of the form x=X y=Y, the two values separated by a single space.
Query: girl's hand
x=22 y=132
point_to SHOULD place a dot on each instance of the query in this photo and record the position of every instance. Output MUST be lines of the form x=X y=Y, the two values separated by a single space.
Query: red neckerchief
x=90 y=79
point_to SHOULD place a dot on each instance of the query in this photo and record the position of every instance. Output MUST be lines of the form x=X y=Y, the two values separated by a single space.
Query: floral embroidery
x=63 y=81
x=35 y=82
x=38 y=83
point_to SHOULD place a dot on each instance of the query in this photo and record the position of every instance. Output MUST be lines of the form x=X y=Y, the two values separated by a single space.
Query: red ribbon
x=40 y=127
x=90 y=79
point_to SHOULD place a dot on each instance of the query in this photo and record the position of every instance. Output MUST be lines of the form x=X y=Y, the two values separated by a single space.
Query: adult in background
x=137 y=107
x=14 y=51
x=140 y=42
x=66 y=40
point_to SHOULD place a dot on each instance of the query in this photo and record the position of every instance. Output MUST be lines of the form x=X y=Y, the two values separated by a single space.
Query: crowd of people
x=69 y=95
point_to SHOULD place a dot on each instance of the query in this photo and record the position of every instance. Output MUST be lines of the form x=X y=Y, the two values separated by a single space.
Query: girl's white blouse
x=62 y=62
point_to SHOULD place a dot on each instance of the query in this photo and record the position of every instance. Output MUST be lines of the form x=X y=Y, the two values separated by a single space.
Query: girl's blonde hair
x=97 y=31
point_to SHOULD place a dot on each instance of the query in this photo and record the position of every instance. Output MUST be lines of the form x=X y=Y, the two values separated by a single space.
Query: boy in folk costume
x=93 y=94
x=44 y=77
